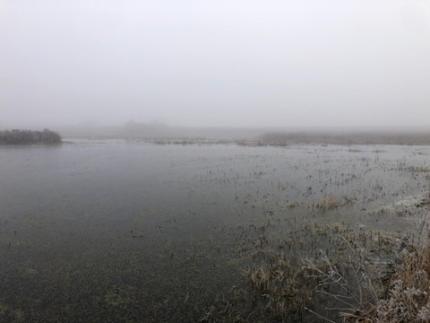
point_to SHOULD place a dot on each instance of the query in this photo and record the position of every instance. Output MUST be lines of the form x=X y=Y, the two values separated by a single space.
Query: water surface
x=113 y=231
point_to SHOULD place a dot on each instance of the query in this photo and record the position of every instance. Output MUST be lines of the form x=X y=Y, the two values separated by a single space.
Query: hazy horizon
x=88 y=126
x=225 y=64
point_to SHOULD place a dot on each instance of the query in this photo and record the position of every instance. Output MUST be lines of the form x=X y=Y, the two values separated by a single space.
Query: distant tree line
x=25 y=137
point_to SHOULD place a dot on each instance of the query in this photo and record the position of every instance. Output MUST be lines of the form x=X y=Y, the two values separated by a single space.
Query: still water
x=112 y=231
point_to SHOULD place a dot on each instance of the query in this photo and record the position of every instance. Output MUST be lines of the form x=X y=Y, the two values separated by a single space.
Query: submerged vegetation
x=26 y=137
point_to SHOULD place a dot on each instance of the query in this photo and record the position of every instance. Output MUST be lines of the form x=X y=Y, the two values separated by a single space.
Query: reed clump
x=339 y=275
x=408 y=297
x=326 y=203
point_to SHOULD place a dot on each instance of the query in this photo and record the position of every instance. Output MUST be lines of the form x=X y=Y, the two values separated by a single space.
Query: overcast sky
x=215 y=63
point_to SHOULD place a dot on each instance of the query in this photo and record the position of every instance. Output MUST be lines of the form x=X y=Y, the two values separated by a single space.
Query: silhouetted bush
x=26 y=137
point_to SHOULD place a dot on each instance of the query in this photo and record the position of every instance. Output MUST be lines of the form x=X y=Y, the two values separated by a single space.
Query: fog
x=215 y=63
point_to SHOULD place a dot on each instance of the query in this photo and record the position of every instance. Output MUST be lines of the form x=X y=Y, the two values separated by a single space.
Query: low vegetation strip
x=27 y=137
x=338 y=138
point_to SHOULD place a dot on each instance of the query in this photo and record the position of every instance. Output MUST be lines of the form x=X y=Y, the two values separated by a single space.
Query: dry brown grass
x=408 y=298
x=329 y=202
x=365 y=277
x=285 y=289
x=340 y=275
x=404 y=297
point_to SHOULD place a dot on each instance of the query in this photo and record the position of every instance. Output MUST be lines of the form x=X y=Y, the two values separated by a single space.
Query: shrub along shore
x=28 y=137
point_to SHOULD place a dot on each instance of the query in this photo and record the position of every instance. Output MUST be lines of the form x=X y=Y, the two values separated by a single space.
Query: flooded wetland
x=214 y=161
x=116 y=231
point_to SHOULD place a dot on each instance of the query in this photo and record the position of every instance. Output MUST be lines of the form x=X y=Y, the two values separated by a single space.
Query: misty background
x=313 y=63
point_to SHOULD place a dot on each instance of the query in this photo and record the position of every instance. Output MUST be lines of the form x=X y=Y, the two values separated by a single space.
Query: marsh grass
x=332 y=273
x=327 y=203
x=408 y=298
x=419 y=169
